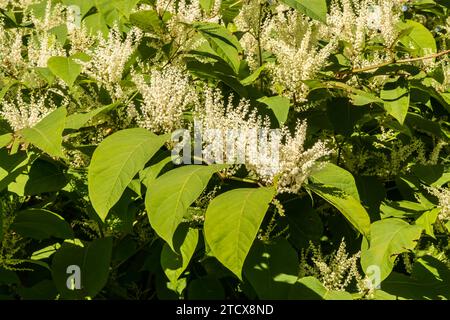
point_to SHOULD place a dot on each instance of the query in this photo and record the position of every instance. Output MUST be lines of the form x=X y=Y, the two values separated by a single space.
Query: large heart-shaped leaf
x=338 y=187
x=64 y=68
x=334 y=176
x=396 y=99
x=93 y=261
x=417 y=38
x=232 y=222
x=169 y=197
x=279 y=105
x=223 y=42
x=388 y=238
x=114 y=164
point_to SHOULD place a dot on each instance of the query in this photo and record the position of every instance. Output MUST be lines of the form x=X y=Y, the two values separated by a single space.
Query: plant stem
x=223 y=177
x=376 y=66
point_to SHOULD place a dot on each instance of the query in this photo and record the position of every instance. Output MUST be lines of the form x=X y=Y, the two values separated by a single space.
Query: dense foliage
x=333 y=185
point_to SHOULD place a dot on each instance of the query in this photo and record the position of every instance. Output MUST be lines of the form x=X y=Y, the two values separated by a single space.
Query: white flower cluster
x=443 y=195
x=336 y=271
x=41 y=47
x=292 y=38
x=54 y=15
x=274 y=156
x=297 y=162
x=41 y=44
x=80 y=39
x=230 y=128
x=109 y=58
x=165 y=99
x=11 y=60
x=22 y=113
x=357 y=22
x=21 y=4
x=249 y=22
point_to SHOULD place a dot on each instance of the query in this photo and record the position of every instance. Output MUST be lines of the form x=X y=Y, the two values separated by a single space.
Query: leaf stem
x=376 y=66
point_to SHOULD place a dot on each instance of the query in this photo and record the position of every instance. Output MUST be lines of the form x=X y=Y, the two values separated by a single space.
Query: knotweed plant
x=196 y=149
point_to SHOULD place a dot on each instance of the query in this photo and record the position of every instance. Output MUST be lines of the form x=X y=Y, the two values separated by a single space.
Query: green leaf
x=316 y=289
x=427 y=219
x=60 y=33
x=347 y=205
x=388 y=238
x=316 y=9
x=46 y=252
x=46 y=74
x=232 y=221
x=253 y=77
x=147 y=20
x=265 y=263
x=279 y=105
x=416 y=121
x=125 y=7
x=419 y=38
x=115 y=162
x=78 y=120
x=96 y=23
x=6 y=86
x=168 y=290
x=41 y=224
x=207 y=5
x=47 y=134
x=169 y=197
x=219 y=70
x=174 y=263
x=64 y=68
x=5 y=139
x=93 y=261
x=338 y=187
x=13 y=165
x=42 y=176
x=429 y=281
x=222 y=41
x=113 y=9
x=229 y=9
x=396 y=99
x=401 y=209
x=149 y=174
x=337 y=177
x=83 y=5
x=362 y=98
